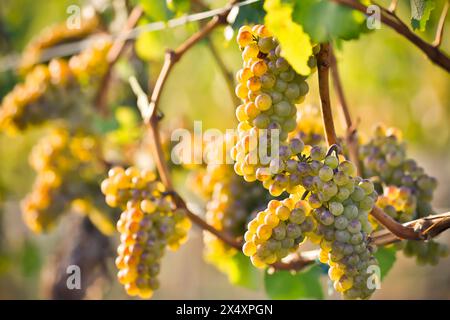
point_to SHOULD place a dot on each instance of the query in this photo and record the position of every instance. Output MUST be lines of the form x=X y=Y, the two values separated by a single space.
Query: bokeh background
x=385 y=79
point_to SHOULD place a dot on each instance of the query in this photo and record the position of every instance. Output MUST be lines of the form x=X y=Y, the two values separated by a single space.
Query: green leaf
x=179 y=6
x=251 y=14
x=241 y=272
x=30 y=258
x=127 y=117
x=420 y=13
x=302 y=285
x=386 y=258
x=295 y=42
x=150 y=45
x=156 y=10
x=238 y=268
x=324 y=20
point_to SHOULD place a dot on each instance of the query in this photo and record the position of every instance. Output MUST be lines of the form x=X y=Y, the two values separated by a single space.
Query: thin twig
x=440 y=28
x=323 y=65
x=206 y=226
x=351 y=135
x=390 y=19
x=227 y=75
x=393 y=5
x=114 y=54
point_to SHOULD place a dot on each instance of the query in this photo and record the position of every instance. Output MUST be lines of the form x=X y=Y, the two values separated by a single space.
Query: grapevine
x=288 y=197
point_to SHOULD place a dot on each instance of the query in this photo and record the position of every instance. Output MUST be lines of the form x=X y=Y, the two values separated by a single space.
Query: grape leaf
x=295 y=42
x=150 y=45
x=420 y=13
x=251 y=14
x=386 y=257
x=324 y=20
x=302 y=285
x=155 y=10
x=242 y=273
x=30 y=258
x=179 y=6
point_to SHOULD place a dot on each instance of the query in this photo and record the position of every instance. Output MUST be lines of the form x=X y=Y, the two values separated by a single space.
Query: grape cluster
x=341 y=202
x=408 y=190
x=384 y=158
x=149 y=223
x=39 y=98
x=91 y=64
x=399 y=203
x=269 y=89
x=68 y=168
x=334 y=212
x=53 y=91
x=277 y=231
x=56 y=34
x=427 y=252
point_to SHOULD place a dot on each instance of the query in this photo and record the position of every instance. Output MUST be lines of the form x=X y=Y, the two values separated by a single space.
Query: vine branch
x=351 y=135
x=113 y=56
x=323 y=65
x=440 y=28
x=391 y=19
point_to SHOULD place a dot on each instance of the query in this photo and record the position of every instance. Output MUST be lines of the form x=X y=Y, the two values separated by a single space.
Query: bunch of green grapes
x=42 y=96
x=425 y=252
x=68 y=167
x=56 y=34
x=269 y=89
x=400 y=204
x=53 y=91
x=408 y=190
x=339 y=200
x=384 y=158
x=149 y=223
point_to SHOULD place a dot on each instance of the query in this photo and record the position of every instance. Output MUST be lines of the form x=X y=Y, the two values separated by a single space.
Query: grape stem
x=351 y=135
x=227 y=74
x=390 y=19
x=118 y=47
x=440 y=28
x=323 y=65
x=425 y=228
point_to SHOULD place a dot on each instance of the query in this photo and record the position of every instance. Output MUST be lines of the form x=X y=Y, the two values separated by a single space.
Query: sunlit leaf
x=386 y=258
x=251 y=14
x=295 y=42
x=302 y=285
x=325 y=20
x=420 y=13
